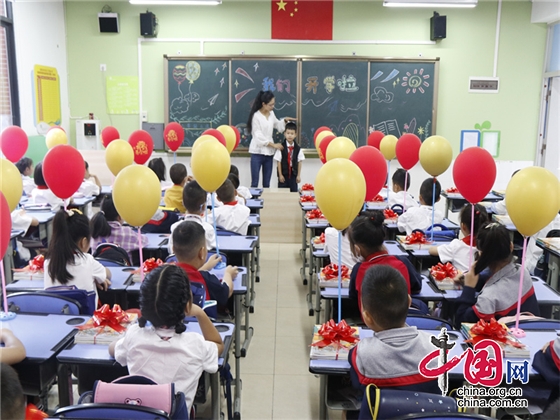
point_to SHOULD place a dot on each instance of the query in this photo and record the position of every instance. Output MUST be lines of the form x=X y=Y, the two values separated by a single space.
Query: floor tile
x=295 y=397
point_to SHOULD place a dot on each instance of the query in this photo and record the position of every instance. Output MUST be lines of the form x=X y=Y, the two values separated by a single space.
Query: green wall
x=467 y=51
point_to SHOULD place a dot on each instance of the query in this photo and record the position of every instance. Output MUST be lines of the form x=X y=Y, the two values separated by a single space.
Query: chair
x=110 y=263
x=537 y=324
x=43 y=303
x=443 y=416
x=110 y=411
x=106 y=252
x=222 y=232
x=424 y=322
x=87 y=299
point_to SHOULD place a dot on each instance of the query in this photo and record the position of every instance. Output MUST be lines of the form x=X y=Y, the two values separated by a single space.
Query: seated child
x=67 y=262
x=194 y=199
x=21 y=220
x=173 y=197
x=499 y=207
x=158 y=346
x=25 y=167
x=457 y=252
x=498 y=297
x=90 y=185
x=189 y=246
x=12 y=399
x=235 y=181
x=397 y=196
x=289 y=160
x=107 y=227
x=42 y=194
x=390 y=358
x=547 y=363
x=231 y=216
x=331 y=247
x=158 y=166
x=12 y=351
x=421 y=217
x=241 y=191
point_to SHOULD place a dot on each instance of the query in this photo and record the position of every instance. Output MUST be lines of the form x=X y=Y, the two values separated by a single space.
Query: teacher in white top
x=261 y=124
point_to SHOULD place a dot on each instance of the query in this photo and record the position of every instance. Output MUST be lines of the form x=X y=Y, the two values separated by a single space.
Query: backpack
x=112 y=252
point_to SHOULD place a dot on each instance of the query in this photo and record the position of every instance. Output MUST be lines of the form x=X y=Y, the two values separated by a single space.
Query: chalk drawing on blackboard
x=236 y=83
x=216 y=71
x=312 y=84
x=193 y=71
x=333 y=107
x=281 y=105
x=410 y=127
x=224 y=66
x=240 y=95
x=346 y=109
x=381 y=95
x=347 y=84
x=179 y=75
x=314 y=104
x=211 y=101
x=268 y=84
x=415 y=81
x=329 y=83
x=396 y=82
x=387 y=127
x=222 y=82
x=424 y=132
x=243 y=73
x=256 y=66
x=283 y=85
x=391 y=76
x=180 y=106
x=377 y=75
x=352 y=132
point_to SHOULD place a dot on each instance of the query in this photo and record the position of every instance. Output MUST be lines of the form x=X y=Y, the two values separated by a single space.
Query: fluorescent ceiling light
x=177 y=2
x=430 y=3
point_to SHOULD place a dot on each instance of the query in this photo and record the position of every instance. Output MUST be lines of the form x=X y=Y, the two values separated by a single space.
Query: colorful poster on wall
x=122 y=95
x=47 y=95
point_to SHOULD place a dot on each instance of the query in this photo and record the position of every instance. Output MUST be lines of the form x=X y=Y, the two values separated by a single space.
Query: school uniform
x=21 y=221
x=209 y=232
x=244 y=192
x=331 y=248
x=173 y=198
x=498 y=297
x=399 y=198
x=289 y=157
x=418 y=218
x=122 y=236
x=89 y=188
x=457 y=252
x=231 y=216
x=43 y=195
x=167 y=357
x=547 y=363
x=261 y=154
x=215 y=289
x=499 y=207
x=534 y=253
x=165 y=185
x=28 y=184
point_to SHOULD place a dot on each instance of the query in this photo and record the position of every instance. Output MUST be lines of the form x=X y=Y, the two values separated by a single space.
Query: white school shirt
x=533 y=251
x=244 y=192
x=233 y=218
x=88 y=188
x=331 y=248
x=418 y=218
x=46 y=197
x=28 y=184
x=177 y=358
x=262 y=133
x=457 y=252
x=499 y=208
x=217 y=203
x=278 y=154
x=398 y=198
x=208 y=231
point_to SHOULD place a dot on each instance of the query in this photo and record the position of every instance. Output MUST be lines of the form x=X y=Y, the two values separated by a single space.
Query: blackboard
x=197 y=95
x=248 y=77
x=334 y=94
x=402 y=98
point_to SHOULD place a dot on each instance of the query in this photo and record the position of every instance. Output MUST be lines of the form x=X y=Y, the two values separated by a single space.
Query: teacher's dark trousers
x=258 y=161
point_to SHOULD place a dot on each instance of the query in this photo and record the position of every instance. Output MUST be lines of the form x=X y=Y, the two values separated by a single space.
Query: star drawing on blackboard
x=256 y=66
x=236 y=83
x=224 y=66
x=216 y=71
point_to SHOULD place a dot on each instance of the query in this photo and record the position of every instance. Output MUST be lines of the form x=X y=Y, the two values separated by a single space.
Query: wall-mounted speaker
x=148 y=24
x=438 y=27
x=108 y=22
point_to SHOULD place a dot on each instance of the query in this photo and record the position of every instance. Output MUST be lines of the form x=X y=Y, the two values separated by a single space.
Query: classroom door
x=552 y=128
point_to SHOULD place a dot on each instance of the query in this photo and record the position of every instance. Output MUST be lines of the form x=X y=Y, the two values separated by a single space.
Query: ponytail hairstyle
x=164 y=296
x=494 y=243
x=38 y=175
x=158 y=166
x=367 y=232
x=480 y=217
x=69 y=228
x=99 y=226
x=262 y=97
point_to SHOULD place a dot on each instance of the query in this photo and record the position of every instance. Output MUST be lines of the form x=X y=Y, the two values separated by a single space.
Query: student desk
x=424 y=253
x=256 y=192
x=81 y=202
x=98 y=354
x=255 y=230
x=455 y=201
x=376 y=205
x=8 y=260
x=255 y=204
x=553 y=262
x=392 y=229
x=305 y=207
x=45 y=218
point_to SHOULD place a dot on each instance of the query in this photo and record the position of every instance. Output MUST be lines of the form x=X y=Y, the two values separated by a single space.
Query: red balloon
x=474 y=173
x=323 y=147
x=14 y=143
x=216 y=134
x=142 y=145
x=174 y=135
x=63 y=170
x=237 y=136
x=374 y=139
x=108 y=134
x=319 y=130
x=408 y=150
x=374 y=167
x=5 y=225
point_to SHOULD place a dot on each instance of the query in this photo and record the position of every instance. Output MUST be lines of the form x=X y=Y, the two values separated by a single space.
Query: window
x=9 y=103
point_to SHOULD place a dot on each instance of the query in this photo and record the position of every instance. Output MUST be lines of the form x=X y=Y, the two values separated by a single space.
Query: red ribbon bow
x=378 y=198
x=492 y=330
x=335 y=333
x=416 y=238
x=307 y=187
x=107 y=317
x=315 y=214
x=390 y=214
x=452 y=190
x=307 y=198
x=322 y=238
x=442 y=271
x=36 y=264
x=151 y=264
x=331 y=272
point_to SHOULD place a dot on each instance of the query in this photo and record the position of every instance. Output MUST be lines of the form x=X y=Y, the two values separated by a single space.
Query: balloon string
x=433 y=206
x=174 y=157
x=388 y=175
x=339 y=275
x=521 y=283
x=4 y=295
x=405 y=182
x=140 y=253
x=214 y=222
x=472 y=236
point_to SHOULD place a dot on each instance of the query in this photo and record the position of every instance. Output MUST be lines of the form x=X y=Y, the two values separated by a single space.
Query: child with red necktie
x=289 y=160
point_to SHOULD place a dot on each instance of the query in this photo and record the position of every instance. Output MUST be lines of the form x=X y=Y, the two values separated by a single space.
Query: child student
x=457 y=252
x=241 y=190
x=42 y=194
x=159 y=341
x=331 y=247
x=498 y=297
x=397 y=196
x=289 y=160
x=21 y=220
x=231 y=216
x=90 y=185
x=173 y=197
x=25 y=167
x=235 y=181
x=189 y=246
x=67 y=262
x=12 y=399
x=421 y=217
x=158 y=166
x=107 y=226
x=194 y=199
x=547 y=363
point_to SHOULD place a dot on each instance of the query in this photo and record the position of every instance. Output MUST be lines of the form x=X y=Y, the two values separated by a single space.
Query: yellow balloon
x=388 y=147
x=340 y=147
x=210 y=164
x=136 y=193
x=203 y=139
x=11 y=184
x=230 y=136
x=55 y=137
x=436 y=155
x=340 y=191
x=118 y=155
x=321 y=136
x=532 y=199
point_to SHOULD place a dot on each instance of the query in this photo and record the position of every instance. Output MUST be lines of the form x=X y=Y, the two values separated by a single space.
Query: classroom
x=455 y=75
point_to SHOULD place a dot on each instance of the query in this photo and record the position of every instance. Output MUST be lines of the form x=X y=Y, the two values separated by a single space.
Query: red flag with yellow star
x=302 y=19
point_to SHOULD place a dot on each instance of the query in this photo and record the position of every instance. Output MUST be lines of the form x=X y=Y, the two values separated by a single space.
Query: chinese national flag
x=302 y=19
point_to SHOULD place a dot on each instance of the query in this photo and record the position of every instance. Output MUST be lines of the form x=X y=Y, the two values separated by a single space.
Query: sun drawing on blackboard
x=415 y=81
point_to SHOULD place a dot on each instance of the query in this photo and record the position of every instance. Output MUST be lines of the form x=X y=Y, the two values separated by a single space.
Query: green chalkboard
x=197 y=95
x=248 y=77
x=402 y=97
x=334 y=94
